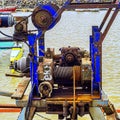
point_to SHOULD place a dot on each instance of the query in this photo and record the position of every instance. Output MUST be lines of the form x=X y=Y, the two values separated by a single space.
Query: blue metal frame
x=95 y=59
x=32 y=38
x=33 y=63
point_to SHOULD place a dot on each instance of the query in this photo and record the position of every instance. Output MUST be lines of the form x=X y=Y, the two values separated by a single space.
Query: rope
x=74 y=92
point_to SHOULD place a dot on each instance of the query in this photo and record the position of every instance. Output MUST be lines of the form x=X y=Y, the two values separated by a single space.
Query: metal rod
x=109 y=25
x=92 y=5
x=74 y=94
x=105 y=18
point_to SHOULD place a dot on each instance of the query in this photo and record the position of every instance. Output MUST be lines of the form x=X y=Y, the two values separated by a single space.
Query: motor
x=6 y=20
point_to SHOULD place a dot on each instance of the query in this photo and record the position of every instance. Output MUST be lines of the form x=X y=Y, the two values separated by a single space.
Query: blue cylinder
x=6 y=20
x=45 y=16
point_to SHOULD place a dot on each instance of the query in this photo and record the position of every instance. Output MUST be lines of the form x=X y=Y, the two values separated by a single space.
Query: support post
x=33 y=62
x=109 y=24
x=41 y=46
x=95 y=53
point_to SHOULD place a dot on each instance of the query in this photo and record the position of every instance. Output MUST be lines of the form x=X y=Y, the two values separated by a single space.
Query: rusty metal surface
x=105 y=18
x=109 y=24
x=21 y=88
x=73 y=94
x=91 y=5
x=78 y=98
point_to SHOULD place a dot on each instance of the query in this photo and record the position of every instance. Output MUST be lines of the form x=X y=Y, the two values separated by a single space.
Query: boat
x=5 y=8
x=16 y=53
x=8 y=9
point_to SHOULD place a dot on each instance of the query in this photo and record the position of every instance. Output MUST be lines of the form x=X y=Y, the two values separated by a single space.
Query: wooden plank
x=4 y=93
x=21 y=88
x=14 y=75
x=18 y=75
x=22 y=102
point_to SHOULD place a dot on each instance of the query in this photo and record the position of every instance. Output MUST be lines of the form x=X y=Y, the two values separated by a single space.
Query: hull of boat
x=8 y=9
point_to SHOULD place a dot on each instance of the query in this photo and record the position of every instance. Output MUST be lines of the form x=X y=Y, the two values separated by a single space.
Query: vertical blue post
x=33 y=63
x=41 y=46
x=91 y=47
x=95 y=58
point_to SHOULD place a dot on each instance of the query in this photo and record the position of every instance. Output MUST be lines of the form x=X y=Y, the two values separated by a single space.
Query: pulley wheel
x=19 y=27
x=41 y=18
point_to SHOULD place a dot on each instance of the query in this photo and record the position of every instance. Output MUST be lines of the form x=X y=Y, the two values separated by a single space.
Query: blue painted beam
x=95 y=59
x=33 y=63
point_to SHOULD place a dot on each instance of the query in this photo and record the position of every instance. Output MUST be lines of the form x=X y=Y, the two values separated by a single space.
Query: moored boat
x=8 y=9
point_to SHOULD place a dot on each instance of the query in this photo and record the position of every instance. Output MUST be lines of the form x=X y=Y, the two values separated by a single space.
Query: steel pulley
x=45 y=16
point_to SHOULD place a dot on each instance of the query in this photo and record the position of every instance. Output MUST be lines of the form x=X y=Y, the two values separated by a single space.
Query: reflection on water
x=74 y=29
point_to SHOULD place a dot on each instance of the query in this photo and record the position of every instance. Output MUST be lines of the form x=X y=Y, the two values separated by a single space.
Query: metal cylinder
x=81 y=109
x=65 y=109
x=45 y=89
x=64 y=75
x=22 y=64
x=6 y=20
x=44 y=16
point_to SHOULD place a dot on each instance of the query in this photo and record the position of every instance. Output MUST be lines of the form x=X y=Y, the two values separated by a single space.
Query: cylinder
x=64 y=75
x=6 y=20
x=22 y=65
x=45 y=89
x=45 y=16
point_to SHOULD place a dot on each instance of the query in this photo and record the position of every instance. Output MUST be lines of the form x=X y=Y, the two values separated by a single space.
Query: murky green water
x=73 y=29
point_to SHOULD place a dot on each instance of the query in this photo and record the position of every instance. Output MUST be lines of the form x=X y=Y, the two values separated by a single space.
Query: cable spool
x=45 y=16
x=64 y=75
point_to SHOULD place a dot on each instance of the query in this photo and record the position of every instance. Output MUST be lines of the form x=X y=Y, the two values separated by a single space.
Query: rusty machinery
x=70 y=83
